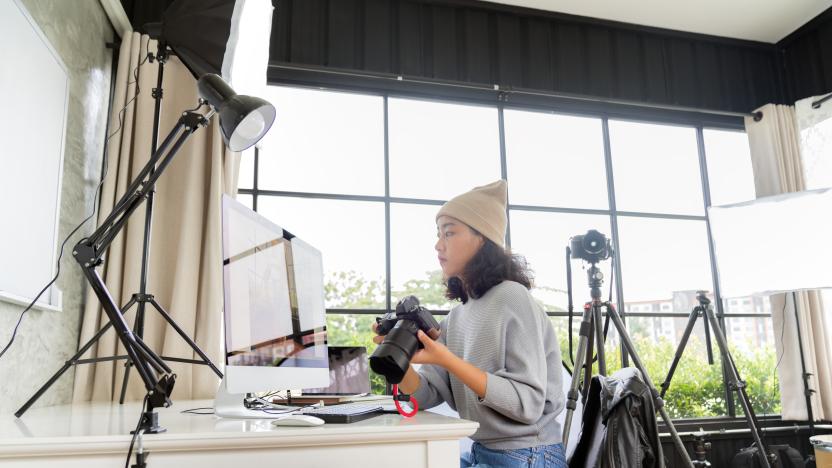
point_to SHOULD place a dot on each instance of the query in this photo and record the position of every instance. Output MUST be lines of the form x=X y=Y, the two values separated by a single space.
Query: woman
x=497 y=359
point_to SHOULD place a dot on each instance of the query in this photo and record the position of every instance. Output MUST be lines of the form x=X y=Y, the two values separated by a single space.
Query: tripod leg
x=127 y=366
x=580 y=356
x=739 y=386
x=128 y=363
x=63 y=369
x=694 y=314
x=631 y=350
x=708 y=348
x=185 y=337
x=588 y=361
x=599 y=339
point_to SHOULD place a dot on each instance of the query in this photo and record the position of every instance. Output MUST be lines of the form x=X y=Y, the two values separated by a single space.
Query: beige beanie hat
x=483 y=208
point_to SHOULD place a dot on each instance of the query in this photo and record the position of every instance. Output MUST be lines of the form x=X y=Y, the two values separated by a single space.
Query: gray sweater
x=506 y=334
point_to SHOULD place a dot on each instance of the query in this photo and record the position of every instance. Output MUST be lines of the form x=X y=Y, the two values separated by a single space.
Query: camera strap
x=571 y=307
x=399 y=397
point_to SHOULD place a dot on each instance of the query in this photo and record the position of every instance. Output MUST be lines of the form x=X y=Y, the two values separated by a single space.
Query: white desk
x=97 y=435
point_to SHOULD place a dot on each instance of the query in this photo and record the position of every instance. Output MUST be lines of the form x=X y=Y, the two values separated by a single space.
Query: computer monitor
x=274 y=313
x=349 y=372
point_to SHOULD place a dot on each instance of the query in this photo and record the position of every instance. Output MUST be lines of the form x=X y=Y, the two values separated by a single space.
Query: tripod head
x=702 y=297
x=596 y=281
x=592 y=247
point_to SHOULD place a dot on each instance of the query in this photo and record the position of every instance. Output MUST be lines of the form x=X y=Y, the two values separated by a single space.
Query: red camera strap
x=399 y=406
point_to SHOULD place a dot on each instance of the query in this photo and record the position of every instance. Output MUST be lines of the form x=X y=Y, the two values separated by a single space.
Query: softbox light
x=225 y=43
x=225 y=37
x=774 y=244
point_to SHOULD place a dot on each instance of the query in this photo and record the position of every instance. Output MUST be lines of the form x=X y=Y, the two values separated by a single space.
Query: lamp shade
x=244 y=120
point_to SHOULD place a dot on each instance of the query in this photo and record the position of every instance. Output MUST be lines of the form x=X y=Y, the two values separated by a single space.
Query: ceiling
x=757 y=20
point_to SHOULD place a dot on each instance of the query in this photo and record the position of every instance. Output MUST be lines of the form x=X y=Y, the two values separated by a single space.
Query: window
x=542 y=238
x=350 y=234
x=555 y=160
x=728 y=156
x=328 y=174
x=415 y=269
x=656 y=168
x=437 y=148
x=324 y=142
x=664 y=260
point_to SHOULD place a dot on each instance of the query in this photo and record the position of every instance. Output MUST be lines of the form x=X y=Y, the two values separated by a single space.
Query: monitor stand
x=232 y=405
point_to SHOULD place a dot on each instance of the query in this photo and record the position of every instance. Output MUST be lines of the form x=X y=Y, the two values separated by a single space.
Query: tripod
x=142 y=188
x=704 y=309
x=592 y=330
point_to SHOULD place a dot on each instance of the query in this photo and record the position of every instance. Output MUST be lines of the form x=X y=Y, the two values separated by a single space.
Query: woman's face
x=456 y=244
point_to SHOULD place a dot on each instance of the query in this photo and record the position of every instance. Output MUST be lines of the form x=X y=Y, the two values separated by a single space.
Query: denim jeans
x=543 y=456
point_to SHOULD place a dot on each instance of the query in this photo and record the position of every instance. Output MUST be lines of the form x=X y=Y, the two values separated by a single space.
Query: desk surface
x=105 y=427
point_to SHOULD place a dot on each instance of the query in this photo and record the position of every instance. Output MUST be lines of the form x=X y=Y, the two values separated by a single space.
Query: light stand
x=807 y=390
x=735 y=383
x=591 y=325
x=142 y=297
x=243 y=121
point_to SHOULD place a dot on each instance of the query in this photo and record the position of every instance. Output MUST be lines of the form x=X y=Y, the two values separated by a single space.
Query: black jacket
x=619 y=424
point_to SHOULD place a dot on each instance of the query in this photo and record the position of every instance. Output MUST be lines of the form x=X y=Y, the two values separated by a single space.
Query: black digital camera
x=591 y=247
x=392 y=357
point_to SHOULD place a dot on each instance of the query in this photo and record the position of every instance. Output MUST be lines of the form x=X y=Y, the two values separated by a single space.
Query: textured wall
x=78 y=31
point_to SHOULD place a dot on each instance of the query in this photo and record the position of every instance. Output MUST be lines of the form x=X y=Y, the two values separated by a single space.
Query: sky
x=333 y=142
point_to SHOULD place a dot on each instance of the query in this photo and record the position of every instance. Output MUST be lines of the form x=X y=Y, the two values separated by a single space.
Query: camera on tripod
x=592 y=247
x=392 y=357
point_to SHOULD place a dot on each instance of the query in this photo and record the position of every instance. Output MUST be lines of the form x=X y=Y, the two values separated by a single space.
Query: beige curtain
x=185 y=272
x=775 y=158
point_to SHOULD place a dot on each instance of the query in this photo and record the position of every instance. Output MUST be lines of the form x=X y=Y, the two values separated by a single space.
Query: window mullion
x=387 y=268
x=501 y=124
x=255 y=188
x=618 y=283
x=706 y=199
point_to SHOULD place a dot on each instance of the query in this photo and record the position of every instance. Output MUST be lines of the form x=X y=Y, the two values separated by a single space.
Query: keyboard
x=343 y=414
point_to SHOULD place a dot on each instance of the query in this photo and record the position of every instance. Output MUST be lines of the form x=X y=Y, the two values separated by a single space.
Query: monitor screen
x=349 y=372
x=275 y=322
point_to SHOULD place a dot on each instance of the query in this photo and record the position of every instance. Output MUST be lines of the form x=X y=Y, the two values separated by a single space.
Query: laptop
x=349 y=374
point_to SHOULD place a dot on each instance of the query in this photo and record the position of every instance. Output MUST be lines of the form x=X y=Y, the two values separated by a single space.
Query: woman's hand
x=377 y=339
x=434 y=352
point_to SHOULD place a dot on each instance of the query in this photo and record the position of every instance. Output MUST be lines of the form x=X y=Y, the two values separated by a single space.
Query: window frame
x=646 y=116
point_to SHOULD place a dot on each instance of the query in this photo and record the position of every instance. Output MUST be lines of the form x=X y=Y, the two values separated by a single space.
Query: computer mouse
x=301 y=420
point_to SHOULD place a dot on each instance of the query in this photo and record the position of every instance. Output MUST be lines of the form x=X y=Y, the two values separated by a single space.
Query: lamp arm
x=157 y=377
x=92 y=248
x=131 y=191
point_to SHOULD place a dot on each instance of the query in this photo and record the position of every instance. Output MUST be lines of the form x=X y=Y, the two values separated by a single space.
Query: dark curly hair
x=490 y=266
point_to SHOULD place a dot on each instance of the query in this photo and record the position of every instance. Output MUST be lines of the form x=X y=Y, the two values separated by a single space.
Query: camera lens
x=392 y=357
x=594 y=242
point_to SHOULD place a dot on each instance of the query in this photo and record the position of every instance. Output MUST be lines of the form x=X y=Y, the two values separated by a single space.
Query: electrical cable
x=782 y=353
x=198 y=411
